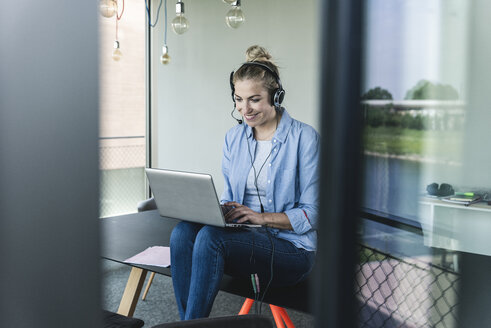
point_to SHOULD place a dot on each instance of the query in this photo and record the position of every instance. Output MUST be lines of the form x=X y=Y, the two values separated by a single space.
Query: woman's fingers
x=241 y=213
x=234 y=213
x=238 y=213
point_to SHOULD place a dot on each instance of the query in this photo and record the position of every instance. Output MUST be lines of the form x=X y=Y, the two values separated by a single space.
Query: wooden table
x=126 y=235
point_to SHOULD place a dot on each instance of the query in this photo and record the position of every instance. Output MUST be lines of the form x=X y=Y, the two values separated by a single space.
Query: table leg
x=149 y=283
x=132 y=292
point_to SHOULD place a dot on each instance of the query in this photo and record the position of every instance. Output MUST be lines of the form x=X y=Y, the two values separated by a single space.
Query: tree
x=377 y=93
x=425 y=89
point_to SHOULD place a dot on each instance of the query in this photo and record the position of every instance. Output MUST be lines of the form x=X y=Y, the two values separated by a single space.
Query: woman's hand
x=241 y=214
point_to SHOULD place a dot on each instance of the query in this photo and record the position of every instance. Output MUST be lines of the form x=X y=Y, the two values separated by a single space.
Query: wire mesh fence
x=122 y=175
x=405 y=292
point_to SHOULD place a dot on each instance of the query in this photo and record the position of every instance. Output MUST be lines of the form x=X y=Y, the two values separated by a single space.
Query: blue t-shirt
x=292 y=175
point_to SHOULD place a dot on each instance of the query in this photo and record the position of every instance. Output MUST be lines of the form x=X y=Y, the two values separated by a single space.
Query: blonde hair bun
x=268 y=75
x=257 y=53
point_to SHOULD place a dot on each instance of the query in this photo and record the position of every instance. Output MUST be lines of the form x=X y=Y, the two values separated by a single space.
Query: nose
x=246 y=108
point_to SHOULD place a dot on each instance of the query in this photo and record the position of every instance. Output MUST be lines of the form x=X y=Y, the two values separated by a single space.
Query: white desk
x=456 y=227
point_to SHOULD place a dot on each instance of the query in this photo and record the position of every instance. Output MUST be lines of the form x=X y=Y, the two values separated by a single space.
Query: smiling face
x=253 y=103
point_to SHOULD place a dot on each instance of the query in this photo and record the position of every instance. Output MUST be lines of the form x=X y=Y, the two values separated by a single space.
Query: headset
x=440 y=190
x=276 y=98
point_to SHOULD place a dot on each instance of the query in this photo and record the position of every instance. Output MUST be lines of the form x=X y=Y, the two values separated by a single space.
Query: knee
x=209 y=237
x=182 y=234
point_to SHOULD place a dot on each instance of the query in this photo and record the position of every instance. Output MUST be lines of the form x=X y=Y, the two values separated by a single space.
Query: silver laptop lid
x=186 y=196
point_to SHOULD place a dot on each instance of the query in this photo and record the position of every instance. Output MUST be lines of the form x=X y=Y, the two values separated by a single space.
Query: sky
x=410 y=40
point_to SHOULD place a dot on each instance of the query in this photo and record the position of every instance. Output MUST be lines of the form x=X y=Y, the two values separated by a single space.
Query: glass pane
x=425 y=179
x=122 y=110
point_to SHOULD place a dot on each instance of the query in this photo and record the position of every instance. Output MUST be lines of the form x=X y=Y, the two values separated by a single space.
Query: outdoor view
x=414 y=105
x=423 y=129
x=429 y=113
x=122 y=110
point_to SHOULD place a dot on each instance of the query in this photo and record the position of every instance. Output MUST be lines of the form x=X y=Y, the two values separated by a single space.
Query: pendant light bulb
x=229 y=1
x=180 y=24
x=235 y=16
x=117 y=54
x=108 y=8
x=165 y=58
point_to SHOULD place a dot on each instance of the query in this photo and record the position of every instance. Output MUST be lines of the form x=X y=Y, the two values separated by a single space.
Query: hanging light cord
x=148 y=14
x=165 y=28
x=118 y=17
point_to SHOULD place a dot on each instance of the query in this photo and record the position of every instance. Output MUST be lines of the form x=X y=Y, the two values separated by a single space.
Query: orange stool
x=279 y=313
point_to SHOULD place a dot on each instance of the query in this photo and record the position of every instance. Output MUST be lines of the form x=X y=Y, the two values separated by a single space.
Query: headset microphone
x=235 y=118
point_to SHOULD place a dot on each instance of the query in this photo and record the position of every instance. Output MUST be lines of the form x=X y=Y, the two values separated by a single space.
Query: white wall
x=193 y=99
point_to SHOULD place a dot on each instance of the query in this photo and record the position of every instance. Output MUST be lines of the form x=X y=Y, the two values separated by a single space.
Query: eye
x=255 y=100
x=237 y=99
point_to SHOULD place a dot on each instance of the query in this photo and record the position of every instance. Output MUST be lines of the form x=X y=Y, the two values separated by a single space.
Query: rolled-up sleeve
x=304 y=216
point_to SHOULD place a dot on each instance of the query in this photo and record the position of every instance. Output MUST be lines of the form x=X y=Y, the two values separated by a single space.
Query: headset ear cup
x=281 y=96
x=278 y=98
x=445 y=190
x=432 y=189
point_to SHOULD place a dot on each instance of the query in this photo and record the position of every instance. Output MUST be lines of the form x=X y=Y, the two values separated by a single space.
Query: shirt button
x=274 y=140
x=270 y=200
x=269 y=181
x=274 y=149
x=269 y=164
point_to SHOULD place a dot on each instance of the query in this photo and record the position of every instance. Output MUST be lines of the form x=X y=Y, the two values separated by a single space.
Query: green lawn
x=442 y=145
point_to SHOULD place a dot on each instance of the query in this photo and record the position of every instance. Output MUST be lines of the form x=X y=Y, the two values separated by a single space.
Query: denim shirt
x=293 y=177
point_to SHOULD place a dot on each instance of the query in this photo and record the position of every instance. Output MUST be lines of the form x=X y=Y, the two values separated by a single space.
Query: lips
x=250 y=117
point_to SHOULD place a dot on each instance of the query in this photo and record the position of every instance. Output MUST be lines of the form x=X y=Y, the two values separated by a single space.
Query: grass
x=440 y=145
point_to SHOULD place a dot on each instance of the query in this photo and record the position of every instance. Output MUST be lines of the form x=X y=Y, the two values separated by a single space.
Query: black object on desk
x=442 y=190
x=127 y=235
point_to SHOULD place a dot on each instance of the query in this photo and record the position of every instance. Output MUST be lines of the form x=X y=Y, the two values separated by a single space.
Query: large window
x=423 y=122
x=122 y=110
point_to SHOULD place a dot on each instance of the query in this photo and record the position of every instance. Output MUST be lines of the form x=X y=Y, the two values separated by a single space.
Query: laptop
x=189 y=197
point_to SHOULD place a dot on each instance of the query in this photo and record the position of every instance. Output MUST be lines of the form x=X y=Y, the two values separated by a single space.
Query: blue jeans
x=201 y=254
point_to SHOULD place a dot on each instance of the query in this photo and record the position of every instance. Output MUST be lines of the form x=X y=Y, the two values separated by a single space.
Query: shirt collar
x=283 y=127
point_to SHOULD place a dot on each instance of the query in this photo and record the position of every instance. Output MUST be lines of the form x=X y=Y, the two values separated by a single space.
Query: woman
x=270 y=166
